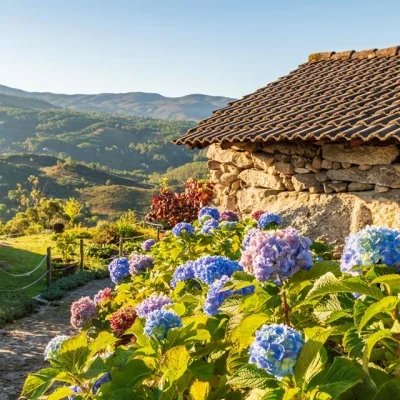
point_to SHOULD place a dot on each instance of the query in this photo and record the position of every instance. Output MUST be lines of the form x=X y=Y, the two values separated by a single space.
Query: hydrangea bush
x=241 y=311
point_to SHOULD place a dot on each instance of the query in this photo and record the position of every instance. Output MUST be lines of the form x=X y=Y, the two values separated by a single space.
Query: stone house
x=319 y=146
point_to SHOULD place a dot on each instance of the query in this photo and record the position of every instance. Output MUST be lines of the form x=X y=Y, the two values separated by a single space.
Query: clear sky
x=177 y=47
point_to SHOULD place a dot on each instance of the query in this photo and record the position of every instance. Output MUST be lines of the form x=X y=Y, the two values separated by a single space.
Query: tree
x=73 y=209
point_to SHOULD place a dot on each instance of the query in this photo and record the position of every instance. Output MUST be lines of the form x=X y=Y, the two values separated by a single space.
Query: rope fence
x=48 y=260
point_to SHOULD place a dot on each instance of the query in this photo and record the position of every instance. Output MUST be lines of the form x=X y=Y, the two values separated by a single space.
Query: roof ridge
x=352 y=54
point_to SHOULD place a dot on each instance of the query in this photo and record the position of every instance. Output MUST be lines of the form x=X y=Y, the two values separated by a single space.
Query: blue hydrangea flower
x=269 y=219
x=209 y=226
x=207 y=269
x=76 y=389
x=54 y=346
x=159 y=322
x=276 y=349
x=208 y=212
x=148 y=244
x=275 y=255
x=183 y=273
x=101 y=381
x=119 y=269
x=140 y=262
x=182 y=226
x=151 y=304
x=248 y=236
x=371 y=245
x=216 y=295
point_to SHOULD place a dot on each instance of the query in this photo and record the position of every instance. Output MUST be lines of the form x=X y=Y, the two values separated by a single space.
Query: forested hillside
x=120 y=142
x=190 y=107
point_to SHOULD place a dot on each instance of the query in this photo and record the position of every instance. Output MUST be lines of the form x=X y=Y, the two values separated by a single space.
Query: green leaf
x=201 y=370
x=375 y=338
x=250 y=376
x=389 y=390
x=244 y=332
x=130 y=375
x=391 y=281
x=353 y=344
x=97 y=367
x=60 y=393
x=340 y=377
x=175 y=363
x=319 y=269
x=38 y=383
x=102 y=342
x=74 y=353
x=307 y=364
x=385 y=305
x=329 y=284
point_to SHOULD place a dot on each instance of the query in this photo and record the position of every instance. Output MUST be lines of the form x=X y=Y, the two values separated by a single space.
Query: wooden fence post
x=81 y=249
x=158 y=233
x=48 y=264
x=121 y=246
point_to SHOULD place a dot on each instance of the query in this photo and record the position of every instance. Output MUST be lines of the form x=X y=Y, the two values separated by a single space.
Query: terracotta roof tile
x=337 y=96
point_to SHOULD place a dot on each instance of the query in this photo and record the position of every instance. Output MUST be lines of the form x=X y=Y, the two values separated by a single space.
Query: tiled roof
x=335 y=96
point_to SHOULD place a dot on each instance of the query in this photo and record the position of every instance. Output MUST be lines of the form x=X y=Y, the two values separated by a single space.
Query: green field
x=18 y=256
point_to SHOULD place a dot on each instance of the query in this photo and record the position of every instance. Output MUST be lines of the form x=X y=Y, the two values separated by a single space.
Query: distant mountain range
x=190 y=107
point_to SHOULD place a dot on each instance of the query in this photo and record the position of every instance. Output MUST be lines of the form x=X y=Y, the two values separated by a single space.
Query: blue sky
x=177 y=47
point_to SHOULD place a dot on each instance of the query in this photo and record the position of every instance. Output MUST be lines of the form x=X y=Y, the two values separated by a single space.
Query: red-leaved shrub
x=169 y=208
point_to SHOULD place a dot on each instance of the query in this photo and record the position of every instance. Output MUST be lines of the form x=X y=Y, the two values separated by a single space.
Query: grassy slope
x=18 y=256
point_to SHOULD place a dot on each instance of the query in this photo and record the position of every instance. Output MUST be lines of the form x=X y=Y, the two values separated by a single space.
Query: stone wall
x=297 y=178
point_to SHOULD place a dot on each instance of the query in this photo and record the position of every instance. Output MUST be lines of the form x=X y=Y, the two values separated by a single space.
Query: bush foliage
x=169 y=208
x=196 y=323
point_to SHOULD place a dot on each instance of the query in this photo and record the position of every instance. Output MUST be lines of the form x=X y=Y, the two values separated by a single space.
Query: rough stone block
x=305 y=182
x=262 y=160
x=299 y=161
x=385 y=175
x=250 y=198
x=373 y=155
x=228 y=178
x=213 y=165
x=302 y=171
x=284 y=168
x=381 y=189
x=215 y=175
x=337 y=187
x=359 y=187
x=257 y=178
x=229 y=156
x=291 y=149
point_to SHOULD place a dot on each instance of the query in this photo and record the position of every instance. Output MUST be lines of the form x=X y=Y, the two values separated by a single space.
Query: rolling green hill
x=190 y=107
x=106 y=194
x=116 y=141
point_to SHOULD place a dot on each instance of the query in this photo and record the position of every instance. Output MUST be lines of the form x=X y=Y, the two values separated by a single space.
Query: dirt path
x=22 y=343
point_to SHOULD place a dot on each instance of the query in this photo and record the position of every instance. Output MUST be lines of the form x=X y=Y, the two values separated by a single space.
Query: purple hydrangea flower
x=159 y=322
x=101 y=295
x=207 y=269
x=101 y=381
x=274 y=255
x=182 y=226
x=216 y=295
x=229 y=216
x=183 y=273
x=148 y=244
x=54 y=346
x=82 y=312
x=209 y=226
x=269 y=219
x=371 y=245
x=119 y=269
x=151 y=304
x=276 y=349
x=207 y=213
x=139 y=263
x=248 y=236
